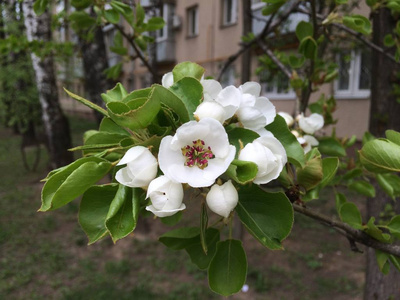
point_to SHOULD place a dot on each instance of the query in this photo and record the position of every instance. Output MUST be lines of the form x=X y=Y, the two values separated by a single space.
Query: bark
x=54 y=121
x=383 y=115
x=94 y=56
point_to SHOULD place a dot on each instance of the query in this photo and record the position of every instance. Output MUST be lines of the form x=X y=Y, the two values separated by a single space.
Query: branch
x=352 y=234
x=268 y=28
x=137 y=50
x=273 y=57
x=356 y=34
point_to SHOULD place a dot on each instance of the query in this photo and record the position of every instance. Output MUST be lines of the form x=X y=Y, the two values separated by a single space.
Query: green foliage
x=228 y=268
x=358 y=23
x=242 y=171
x=380 y=155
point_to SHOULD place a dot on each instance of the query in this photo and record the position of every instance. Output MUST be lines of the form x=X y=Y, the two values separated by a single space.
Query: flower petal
x=167 y=80
x=251 y=87
x=164 y=213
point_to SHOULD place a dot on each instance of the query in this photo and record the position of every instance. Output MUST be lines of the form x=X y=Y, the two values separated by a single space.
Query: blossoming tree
x=230 y=145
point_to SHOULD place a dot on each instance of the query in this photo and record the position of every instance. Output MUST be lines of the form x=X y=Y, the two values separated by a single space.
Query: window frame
x=233 y=13
x=274 y=94
x=353 y=91
x=191 y=31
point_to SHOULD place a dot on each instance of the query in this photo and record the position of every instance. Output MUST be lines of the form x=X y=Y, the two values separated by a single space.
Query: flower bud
x=166 y=197
x=312 y=123
x=141 y=167
x=222 y=199
x=288 y=118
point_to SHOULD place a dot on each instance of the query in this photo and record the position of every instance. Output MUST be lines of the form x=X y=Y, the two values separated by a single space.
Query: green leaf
x=116 y=94
x=87 y=103
x=363 y=187
x=155 y=23
x=375 y=232
x=81 y=4
x=394 y=225
x=108 y=125
x=240 y=137
x=93 y=210
x=124 y=211
x=172 y=220
x=294 y=151
x=169 y=99
x=308 y=47
x=242 y=171
x=331 y=146
x=312 y=173
x=137 y=113
x=352 y=174
x=394 y=181
x=114 y=72
x=394 y=6
x=389 y=41
x=340 y=2
x=272 y=7
x=81 y=20
x=296 y=61
x=330 y=166
x=112 y=16
x=72 y=181
x=380 y=155
x=382 y=260
x=340 y=199
x=228 y=268
x=385 y=185
x=350 y=214
x=137 y=94
x=40 y=6
x=140 y=14
x=190 y=92
x=304 y=30
x=187 y=69
x=203 y=226
x=180 y=238
x=393 y=136
x=395 y=261
x=358 y=23
x=267 y=216
x=196 y=252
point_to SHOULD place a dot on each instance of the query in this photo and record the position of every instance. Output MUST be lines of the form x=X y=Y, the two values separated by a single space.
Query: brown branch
x=275 y=59
x=268 y=28
x=354 y=33
x=139 y=53
x=352 y=234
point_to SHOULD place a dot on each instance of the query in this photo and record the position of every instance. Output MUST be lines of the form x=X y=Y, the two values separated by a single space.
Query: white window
x=354 y=77
x=193 y=21
x=166 y=12
x=229 y=12
x=110 y=31
x=275 y=87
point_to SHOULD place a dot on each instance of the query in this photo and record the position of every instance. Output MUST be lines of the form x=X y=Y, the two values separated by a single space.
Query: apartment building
x=208 y=32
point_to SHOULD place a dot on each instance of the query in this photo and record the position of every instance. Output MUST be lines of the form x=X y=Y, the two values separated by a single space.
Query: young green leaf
x=187 y=69
x=190 y=91
x=267 y=216
x=196 y=252
x=228 y=268
x=304 y=30
x=363 y=187
x=93 y=210
x=241 y=171
x=340 y=199
x=331 y=146
x=358 y=23
x=350 y=214
x=180 y=238
x=117 y=93
x=380 y=155
x=87 y=103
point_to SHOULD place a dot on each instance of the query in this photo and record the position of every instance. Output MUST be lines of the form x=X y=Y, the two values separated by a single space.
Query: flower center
x=197 y=154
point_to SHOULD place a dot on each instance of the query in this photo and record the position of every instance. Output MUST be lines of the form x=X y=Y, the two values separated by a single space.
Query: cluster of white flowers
x=200 y=152
x=308 y=125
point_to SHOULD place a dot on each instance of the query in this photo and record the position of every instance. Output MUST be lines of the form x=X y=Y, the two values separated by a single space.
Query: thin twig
x=349 y=232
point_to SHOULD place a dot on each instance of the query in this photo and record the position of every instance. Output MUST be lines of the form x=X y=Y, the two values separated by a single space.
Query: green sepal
x=241 y=171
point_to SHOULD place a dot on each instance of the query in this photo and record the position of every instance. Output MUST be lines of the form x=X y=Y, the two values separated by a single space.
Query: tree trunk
x=54 y=121
x=94 y=56
x=384 y=114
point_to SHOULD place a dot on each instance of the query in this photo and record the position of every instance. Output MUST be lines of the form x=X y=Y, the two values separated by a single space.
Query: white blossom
x=167 y=80
x=254 y=112
x=307 y=142
x=312 y=123
x=210 y=109
x=268 y=154
x=222 y=199
x=197 y=154
x=288 y=118
x=141 y=167
x=166 y=197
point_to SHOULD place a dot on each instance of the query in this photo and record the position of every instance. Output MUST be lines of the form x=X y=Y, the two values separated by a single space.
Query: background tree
x=38 y=28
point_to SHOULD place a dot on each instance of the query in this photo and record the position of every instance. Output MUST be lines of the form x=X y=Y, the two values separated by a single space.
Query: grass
x=45 y=256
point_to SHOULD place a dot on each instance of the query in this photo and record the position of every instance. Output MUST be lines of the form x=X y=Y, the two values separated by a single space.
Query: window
x=192 y=21
x=229 y=12
x=354 y=77
x=109 y=32
x=275 y=86
x=165 y=11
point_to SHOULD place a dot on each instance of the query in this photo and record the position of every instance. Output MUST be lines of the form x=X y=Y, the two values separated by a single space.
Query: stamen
x=197 y=154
